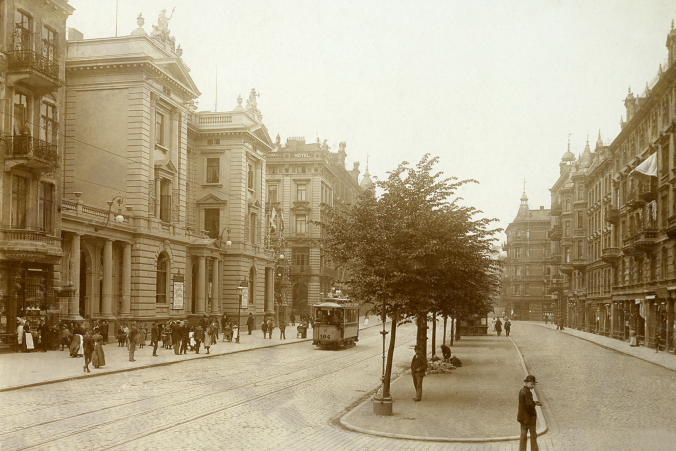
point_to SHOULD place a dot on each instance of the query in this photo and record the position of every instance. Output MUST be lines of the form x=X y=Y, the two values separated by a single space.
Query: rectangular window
x=48 y=123
x=20 y=114
x=212 y=221
x=566 y=228
x=161 y=286
x=272 y=193
x=254 y=228
x=165 y=200
x=159 y=129
x=250 y=177
x=50 y=44
x=23 y=36
x=301 y=257
x=46 y=210
x=301 y=225
x=19 y=198
x=300 y=193
x=213 y=170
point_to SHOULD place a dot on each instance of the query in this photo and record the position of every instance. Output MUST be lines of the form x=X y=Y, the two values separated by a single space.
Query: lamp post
x=241 y=290
x=118 y=217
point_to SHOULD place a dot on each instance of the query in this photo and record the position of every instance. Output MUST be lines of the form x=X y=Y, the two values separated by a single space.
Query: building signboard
x=178 y=292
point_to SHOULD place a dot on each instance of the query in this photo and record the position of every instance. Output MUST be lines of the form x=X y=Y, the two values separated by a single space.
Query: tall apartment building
x=162 y=208
x=528 y=248
x=300 y=178
x=32 y=89
x=614 y=222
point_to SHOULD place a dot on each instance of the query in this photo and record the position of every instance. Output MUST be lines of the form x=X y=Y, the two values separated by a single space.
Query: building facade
x=163 y=205
x=613 y=221
x=32 y=88
x=528 y=248
x=300 y=178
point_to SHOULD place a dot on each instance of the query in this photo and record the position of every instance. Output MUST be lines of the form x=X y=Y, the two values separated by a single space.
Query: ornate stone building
x=32 y=110
x=162 y=205
x=300 y=178
x=614 y=222
x=528 y=249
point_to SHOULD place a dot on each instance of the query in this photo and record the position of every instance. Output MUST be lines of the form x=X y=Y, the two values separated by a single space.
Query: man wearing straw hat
x=527 y=415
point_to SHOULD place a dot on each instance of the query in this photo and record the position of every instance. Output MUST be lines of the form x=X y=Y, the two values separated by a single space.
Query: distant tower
x=366 y=182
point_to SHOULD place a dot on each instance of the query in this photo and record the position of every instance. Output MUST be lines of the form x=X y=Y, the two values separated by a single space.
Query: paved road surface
x=290 y=397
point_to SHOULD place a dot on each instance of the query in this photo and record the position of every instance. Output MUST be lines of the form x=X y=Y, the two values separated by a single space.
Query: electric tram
x=336 y=323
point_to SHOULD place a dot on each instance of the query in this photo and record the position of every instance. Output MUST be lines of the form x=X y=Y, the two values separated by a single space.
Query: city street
x=291 y=397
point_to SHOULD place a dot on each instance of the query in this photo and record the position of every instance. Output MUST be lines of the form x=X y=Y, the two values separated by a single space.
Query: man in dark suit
x=154 y=338
x=133 y=339
x=88 y=347
x=185 y=336
x=527 y=415
x=176 y=336
x=418 y=367
x=199 y=338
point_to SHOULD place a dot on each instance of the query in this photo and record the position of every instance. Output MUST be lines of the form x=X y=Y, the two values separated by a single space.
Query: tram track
x=269 y=385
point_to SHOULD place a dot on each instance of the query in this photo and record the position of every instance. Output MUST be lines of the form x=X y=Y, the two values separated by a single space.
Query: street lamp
x=241 y=289
x=118 y=217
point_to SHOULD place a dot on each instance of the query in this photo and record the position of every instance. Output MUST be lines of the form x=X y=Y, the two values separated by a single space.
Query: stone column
x=126 y=280
x=107 y=292
x=158 y=196
x=215 y=288
x=153 y=120
x=201 y=292
x=173 y=149
x=74 y=307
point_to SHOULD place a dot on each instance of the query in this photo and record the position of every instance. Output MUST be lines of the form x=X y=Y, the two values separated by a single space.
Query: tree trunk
x=434 y=335
x=445 y=320
x=390 y=356
x=452 y=329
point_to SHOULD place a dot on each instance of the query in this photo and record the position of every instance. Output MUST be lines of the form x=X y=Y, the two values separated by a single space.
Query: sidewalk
x=18 y=370
x=474 y=403
x=662 y=358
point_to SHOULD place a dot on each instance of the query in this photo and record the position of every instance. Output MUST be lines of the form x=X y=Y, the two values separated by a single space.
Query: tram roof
x=336 y=303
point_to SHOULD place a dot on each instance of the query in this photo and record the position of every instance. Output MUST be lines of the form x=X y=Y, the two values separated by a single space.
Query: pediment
x=261 y=133
x=166 y=165
x=177 y=70
x=212 y=200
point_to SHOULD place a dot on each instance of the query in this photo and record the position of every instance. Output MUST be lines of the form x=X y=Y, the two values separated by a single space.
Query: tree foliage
x=414 y=250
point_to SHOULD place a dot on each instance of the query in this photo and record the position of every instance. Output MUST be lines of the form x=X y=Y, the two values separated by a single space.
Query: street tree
x=412 y=250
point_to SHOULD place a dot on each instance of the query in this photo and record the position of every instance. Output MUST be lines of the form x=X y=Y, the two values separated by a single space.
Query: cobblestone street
x=291 y=397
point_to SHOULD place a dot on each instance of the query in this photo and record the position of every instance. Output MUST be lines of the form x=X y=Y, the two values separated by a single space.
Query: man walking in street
x=185 y=337
x=282 y=329
x=88 y=346
x=199 y=338
x=176 y=337
x=133 y=336
x=508 y=326
x=250 y=323
x=527 y=415
x=418 y=367
x=154 y=338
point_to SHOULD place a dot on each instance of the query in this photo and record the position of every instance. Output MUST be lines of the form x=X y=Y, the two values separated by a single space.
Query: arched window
x=161 y=285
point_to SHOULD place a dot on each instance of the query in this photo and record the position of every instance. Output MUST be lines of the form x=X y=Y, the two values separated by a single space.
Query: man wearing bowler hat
x=527 y=415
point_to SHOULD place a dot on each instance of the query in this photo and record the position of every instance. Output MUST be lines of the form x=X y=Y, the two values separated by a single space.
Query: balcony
x=633 y=201
x=24 y=150
x=555 y=233
x=556 y=209
x=611 y=255
x=299 y=269
x=555 y=259
x=557 y=285
x=566 y=268
x=645 y=240
x=30 y=245
x=613 y=215
x=33 y=70
x=579 y=233
x=579 y=264
x=647 y=192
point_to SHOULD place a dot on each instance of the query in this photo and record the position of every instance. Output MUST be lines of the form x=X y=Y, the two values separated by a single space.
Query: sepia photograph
x=337 y=225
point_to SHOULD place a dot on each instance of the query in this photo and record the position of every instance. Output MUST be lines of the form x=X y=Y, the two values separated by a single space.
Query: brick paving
x=293 y=397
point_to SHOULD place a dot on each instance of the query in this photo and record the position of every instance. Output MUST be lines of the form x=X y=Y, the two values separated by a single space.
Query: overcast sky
x=493 y=88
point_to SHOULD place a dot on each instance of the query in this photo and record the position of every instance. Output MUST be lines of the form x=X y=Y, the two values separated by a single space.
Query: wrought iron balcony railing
x=28 y=60
x=33 y=149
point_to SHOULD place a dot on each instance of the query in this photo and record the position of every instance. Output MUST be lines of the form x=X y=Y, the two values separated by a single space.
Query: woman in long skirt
x=208 y=338
x=98 y=357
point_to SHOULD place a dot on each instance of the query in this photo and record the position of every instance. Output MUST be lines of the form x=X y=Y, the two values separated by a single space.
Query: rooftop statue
x=162 y=27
